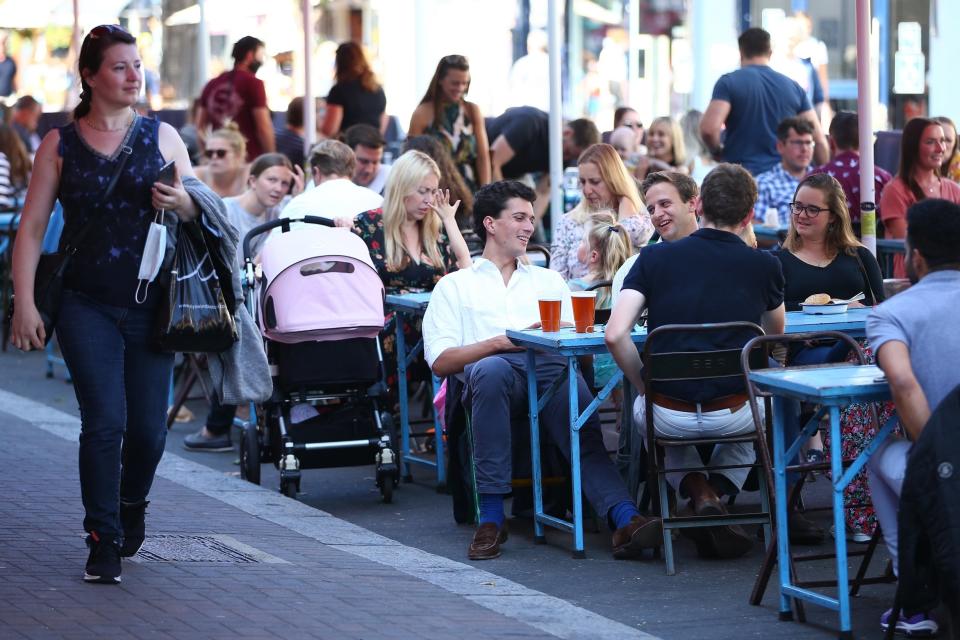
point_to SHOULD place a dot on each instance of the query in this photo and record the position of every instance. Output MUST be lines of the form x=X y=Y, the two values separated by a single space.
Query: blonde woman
x=605 y=183
x=666 y=150
x=413 y=239
x=225 y=169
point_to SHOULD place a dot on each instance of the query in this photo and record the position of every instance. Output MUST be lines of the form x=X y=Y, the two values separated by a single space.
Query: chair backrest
x=538 y=255
x=698 y=365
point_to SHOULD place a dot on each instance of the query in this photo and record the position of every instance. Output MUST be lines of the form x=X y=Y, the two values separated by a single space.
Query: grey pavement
x=335 y=562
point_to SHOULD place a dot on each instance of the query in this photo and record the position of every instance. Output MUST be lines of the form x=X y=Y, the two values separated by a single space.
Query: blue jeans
x=121 y=383
x=496 y=392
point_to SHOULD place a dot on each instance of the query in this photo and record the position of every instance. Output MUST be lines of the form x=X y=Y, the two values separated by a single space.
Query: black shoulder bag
x=48 y=280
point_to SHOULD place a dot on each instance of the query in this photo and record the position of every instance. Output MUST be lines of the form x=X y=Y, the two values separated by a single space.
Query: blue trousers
x=495 y=393
x=121 y=384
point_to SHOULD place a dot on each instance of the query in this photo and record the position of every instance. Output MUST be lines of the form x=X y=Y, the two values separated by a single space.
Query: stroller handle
x=279 y=222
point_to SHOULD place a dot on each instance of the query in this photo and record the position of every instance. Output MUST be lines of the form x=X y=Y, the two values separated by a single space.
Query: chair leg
x=664 y=501
x=865 y=561
x=894 y=617
x=186 y=386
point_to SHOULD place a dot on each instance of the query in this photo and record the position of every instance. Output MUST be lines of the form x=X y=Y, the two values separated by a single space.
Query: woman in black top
x=821 y=254
x=356 y=98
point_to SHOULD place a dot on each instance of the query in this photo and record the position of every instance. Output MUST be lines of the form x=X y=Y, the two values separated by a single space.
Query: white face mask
x=153 y=251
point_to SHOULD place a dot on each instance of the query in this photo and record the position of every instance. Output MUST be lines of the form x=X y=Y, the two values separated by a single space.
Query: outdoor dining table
x=410 y=306
x=569 y=344
x=832 y=387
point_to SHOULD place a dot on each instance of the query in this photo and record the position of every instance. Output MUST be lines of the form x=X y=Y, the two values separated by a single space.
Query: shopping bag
x=194 y=316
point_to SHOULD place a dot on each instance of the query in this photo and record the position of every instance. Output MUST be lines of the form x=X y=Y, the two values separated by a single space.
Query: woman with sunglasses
x=225 y=169
x=458 y=124
x=105 y=330
x=923 y=149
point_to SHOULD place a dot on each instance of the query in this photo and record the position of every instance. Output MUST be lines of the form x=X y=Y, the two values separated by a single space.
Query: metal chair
x=793 y=500
x=538 y=255
x=663 y=367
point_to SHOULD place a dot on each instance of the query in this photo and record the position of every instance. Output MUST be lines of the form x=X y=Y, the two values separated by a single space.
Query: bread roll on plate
x=818 y=298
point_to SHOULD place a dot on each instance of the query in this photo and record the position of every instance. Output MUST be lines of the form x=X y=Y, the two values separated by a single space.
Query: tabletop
x=834 y=384
x=409 y=301
x=569 y=342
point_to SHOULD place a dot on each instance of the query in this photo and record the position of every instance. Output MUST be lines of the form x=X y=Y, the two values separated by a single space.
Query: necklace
x=90 y=124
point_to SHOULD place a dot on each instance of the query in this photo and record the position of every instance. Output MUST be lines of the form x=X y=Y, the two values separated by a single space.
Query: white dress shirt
x=473 y=304
x=338 y=198
x=379 y=181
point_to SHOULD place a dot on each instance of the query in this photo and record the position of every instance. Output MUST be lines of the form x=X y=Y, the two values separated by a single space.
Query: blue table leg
x=401 y=350
x=438 y=440
x=780 y=488
x=572 y=369
x=840 y=539
x=536 y=471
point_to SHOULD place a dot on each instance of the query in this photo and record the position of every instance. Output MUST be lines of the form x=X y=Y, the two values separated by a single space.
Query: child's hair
x=609 y=239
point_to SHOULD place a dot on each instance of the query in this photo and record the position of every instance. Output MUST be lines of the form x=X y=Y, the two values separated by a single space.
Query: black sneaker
x=134 y=529
x=200 y=442
x=103 y=563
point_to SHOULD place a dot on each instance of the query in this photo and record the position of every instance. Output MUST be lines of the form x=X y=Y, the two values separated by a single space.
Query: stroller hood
x=320 y=285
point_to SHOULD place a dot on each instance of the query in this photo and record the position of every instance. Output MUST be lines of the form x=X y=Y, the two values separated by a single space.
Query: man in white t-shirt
x=335 y=196
x=464 y=335
x=368 y=144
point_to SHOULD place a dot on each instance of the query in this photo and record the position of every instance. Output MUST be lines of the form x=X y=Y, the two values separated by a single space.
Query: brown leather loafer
x=630 y=540
x=486 y=542
x=725 y=542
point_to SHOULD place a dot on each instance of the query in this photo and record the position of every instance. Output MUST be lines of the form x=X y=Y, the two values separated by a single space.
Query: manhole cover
x=212 y=548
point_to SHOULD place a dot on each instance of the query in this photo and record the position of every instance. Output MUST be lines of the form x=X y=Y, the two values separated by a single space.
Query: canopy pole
x=868 y=206
x=556 y=118
x=309 y=104
x=203 y=49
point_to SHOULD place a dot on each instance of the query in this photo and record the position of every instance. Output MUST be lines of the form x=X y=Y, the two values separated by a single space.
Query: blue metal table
x=410 y=306
x=833 y=387
x=570 y=344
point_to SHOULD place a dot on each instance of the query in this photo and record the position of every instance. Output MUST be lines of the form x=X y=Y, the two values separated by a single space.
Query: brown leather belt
x=734 y=403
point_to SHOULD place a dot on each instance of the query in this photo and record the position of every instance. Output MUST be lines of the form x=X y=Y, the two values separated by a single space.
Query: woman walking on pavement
x=105 y=330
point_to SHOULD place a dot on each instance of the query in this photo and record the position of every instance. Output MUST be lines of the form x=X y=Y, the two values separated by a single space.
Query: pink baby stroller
x=320 y=312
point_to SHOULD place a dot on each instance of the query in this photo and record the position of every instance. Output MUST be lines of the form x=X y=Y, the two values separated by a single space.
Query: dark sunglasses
x=108 y=30
x=632 y=125
x=215 y=153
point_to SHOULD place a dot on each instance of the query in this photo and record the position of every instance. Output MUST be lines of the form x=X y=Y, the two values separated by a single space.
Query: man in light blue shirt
x=917 y=344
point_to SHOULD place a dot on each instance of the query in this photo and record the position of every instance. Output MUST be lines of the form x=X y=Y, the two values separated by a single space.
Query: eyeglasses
x=797 y=208
x=806 y=144
x=215 y=153
x=108 y=30
x=632 y=125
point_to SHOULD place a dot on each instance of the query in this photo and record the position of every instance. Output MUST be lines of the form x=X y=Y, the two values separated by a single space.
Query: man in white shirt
x=334 y=196
x=367 y=145
x=464 y=334
x=671 y=199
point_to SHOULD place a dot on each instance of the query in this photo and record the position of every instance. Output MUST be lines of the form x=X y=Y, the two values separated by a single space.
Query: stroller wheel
x=250 y=455
x=289 y=488
x=386 y=480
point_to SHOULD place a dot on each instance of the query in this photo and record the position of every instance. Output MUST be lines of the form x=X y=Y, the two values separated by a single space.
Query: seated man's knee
x=490 y=371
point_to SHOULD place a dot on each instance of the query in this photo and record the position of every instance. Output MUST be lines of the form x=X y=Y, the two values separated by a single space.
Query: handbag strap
x=866 y=278
x=71 y=247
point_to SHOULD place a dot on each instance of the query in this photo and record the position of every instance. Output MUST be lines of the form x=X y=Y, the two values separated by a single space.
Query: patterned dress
x=412 y=278
x=457 y=134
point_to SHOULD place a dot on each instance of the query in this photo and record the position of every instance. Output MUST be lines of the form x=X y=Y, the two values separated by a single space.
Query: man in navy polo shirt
x=709 y=276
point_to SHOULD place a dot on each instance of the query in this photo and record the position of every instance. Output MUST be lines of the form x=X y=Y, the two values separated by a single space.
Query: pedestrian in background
x=357 y=97
x=239 y=96
x=105 y=333
x=457 y=123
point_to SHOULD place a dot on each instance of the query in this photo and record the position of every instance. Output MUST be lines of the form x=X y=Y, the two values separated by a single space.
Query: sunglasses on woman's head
x=108 y=30
x=215 y=153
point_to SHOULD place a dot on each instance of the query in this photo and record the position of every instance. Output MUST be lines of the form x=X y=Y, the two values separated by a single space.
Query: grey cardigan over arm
x=240 y=374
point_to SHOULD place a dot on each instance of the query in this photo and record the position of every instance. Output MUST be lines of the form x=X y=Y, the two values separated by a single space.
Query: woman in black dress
x=357 y=97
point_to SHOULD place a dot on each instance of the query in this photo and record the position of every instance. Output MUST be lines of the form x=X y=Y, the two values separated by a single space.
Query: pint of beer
x=550 y=314
x=584 y=303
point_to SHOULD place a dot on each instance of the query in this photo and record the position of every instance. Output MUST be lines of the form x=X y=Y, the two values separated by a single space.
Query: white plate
x=823 y=309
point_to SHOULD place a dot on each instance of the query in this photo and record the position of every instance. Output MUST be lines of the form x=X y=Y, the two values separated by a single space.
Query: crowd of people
x=664 y=223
